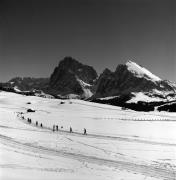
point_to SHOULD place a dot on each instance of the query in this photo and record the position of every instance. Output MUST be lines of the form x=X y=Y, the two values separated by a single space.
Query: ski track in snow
x=17 y=166
x=97 y=136
x=138 y=168
x=121 y=152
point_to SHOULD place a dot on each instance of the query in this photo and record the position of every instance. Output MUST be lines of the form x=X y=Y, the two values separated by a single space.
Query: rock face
x=28 y=83
x=72 y=78
x=134 y=87
x=169 y=107
x=130 y=85
x=130 y=78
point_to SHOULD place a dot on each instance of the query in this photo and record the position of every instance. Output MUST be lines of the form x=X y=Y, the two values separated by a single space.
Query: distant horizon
x=35 y=35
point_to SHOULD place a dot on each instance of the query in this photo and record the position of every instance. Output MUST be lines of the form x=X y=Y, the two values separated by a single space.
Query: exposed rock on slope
x=72 y=77
x=130 y=78
x=170 y=107
x=28 y=83
x=130 y=85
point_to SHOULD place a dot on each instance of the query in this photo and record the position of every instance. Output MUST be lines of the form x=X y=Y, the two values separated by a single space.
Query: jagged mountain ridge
x=129 y=78
x=129 y=83
x=134 y=87
x=71 y=77
x=29 y=84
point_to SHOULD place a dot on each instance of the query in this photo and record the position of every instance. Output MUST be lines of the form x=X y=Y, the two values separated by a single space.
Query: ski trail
x=17 y=166
x=95 y=147
x=23 y=129
x=98 y=136
x=148 y=170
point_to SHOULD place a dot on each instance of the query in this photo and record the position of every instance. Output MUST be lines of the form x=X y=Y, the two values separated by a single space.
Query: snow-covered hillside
x=143 y=97
x=86 y=89
x=131 y=80
x=120 y=144
x=141 y=71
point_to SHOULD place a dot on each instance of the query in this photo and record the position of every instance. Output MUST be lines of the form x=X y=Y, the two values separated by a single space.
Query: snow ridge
x=141 y=71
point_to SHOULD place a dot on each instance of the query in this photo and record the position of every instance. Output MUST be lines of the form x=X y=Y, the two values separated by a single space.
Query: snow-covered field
x=119 y=145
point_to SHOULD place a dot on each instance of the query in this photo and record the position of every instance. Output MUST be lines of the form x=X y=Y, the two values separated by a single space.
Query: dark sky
x=36 y=34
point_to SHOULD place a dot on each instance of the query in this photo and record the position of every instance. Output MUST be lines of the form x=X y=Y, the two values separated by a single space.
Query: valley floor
x=120 y=144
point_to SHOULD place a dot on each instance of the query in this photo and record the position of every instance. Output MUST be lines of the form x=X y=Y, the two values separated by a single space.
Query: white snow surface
x=120 y=144
x=44 y=95
x=84 y=84
x=150 y=96
x=17 y=89
x=141 y=71
x=86 y=88
x=140 y=96
x=108 y=97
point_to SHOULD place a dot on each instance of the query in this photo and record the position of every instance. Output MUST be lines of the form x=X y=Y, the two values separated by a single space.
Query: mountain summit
x=140 y=71
x=128 y=78
x=130 y=83
x=71 y=78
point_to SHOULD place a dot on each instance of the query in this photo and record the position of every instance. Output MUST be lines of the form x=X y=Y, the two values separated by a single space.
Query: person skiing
x=53 y=127
x=56 y=127
x=36 y=123
x=85 y=131
x=41 y=125
x=70 y=129
x=29 y=120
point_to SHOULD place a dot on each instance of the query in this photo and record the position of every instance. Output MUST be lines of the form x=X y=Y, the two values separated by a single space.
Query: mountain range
x=130 y=85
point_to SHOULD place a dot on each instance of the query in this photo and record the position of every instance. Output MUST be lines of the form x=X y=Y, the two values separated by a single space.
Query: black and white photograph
x=87 y=89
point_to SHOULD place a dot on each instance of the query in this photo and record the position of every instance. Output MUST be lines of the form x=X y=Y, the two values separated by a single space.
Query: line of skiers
x=29 y=120
x=36 y=123
x=85 y=132
x=55 y=127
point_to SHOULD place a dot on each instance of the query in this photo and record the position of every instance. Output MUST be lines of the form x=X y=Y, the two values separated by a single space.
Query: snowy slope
x=108 y=98
x=143 y=97
x=131 y=78
x=86 y=88
x=119 y=144
x=154 y=96
x=141 y=71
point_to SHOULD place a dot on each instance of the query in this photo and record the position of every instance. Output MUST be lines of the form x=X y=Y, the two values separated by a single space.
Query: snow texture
x=140 y=96
x=120 y=144
x=86 y=88
x=141 y=71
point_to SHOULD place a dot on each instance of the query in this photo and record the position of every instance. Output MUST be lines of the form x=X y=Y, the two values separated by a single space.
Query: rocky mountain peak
x=69 y=63
x=72 y=66
x=72 y=77
x=128 y=78
x=106 y=72
x=140 y=71
x=28 y=83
